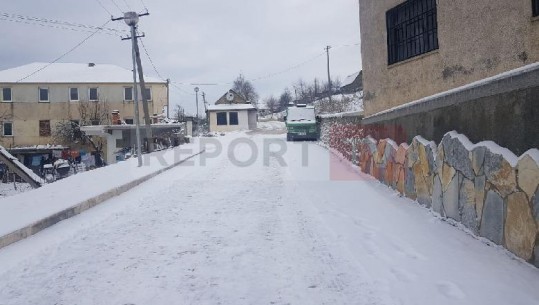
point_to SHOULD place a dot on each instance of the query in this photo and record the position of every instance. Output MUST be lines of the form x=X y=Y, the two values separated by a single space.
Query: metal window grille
x=45 y=128
x=412 y=29
x=535 y=5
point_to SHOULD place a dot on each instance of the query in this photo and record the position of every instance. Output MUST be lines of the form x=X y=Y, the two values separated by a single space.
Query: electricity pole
x=131 y=19
x=196 y=91
x=329 y=76
x=204 y=101
x=168 y=98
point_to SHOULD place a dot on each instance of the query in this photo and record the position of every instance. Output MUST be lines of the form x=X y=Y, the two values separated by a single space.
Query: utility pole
x=329 y=76
x=196 y=93
x=204 y=101
x=168 y=98
x=131 y=19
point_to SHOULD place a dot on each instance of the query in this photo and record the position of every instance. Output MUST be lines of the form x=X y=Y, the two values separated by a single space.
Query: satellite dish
x=230 y=96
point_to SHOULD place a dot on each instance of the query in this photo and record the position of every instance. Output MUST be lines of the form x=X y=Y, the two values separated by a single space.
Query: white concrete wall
x=243 y=121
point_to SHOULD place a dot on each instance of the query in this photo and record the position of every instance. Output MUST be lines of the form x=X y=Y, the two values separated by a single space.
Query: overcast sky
x=197 y=41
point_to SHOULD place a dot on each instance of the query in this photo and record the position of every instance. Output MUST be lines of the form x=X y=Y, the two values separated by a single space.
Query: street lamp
x=196 y=93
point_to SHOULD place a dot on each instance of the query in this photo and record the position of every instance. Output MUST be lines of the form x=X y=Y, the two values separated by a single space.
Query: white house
x=231 y=117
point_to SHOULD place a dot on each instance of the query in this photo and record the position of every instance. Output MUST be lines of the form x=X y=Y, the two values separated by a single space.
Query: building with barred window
x=431 y=66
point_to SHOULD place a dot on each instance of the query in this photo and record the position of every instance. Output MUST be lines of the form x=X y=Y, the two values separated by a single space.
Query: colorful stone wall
x=483 y=186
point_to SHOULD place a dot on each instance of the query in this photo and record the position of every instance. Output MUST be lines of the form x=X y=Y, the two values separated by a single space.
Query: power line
x=115 y=4
x=287 y=69
x=66 y=25
x=101 y=4
x=174 y=85
x=65 y=54
x=56 y=27
x=127 y=4
x=150 y=59
x=144 y=5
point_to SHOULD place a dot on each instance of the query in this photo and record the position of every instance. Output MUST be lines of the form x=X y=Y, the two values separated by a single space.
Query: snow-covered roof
x=300 y=114
x=231 y=107
x=350 y=79
x=70 y=73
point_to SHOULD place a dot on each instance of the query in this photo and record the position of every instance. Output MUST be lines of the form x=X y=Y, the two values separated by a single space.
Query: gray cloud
x=197 y=41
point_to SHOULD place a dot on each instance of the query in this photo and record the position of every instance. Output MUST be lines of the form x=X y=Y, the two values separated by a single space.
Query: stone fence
x=483 y=186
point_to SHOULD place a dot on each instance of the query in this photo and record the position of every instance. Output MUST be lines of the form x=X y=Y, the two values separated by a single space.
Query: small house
x=231 y=113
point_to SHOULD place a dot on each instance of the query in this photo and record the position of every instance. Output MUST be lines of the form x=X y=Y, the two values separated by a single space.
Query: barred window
x=535 y=5
x=412 y=29
x=45 y=128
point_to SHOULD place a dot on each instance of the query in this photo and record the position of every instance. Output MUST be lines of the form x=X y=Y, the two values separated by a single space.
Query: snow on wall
x=484 y=187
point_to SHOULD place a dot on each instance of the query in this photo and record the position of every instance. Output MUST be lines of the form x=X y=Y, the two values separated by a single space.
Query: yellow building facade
x=31 y=107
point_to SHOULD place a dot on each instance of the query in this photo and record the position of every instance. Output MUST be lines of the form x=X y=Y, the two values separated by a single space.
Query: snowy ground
x=10 y=189
x=270 y=127
x=221 y=232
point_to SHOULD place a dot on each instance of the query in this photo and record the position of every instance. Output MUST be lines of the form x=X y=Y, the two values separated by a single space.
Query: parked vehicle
x=301 y=123
x=62 y=168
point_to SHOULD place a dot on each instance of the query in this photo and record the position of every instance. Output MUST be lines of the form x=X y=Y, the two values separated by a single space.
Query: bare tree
x=90 y=113
x=179 y=113
x=94 y=113
x=245 y=89
x=285 y=99
x=273 y=104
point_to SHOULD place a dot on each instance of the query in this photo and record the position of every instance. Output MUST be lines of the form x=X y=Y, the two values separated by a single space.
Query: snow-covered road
x=272 y=231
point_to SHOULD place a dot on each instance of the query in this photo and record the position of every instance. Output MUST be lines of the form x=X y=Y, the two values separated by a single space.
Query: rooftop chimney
x=116 y=119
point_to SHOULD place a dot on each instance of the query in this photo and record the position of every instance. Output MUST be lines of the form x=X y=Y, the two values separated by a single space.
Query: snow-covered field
x=225 y=230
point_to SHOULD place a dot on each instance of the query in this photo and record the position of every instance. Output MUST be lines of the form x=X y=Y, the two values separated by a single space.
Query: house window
x=233 y=118
x=93 y=94
x=412 y=29
x=6 y=94
x=43 y=94
x=45 y=128
x=7 y=129
x=128 y=93
x=148 y=94
x=73 y=94
x=129 y=121
x=221 y=118
x=535 y=5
